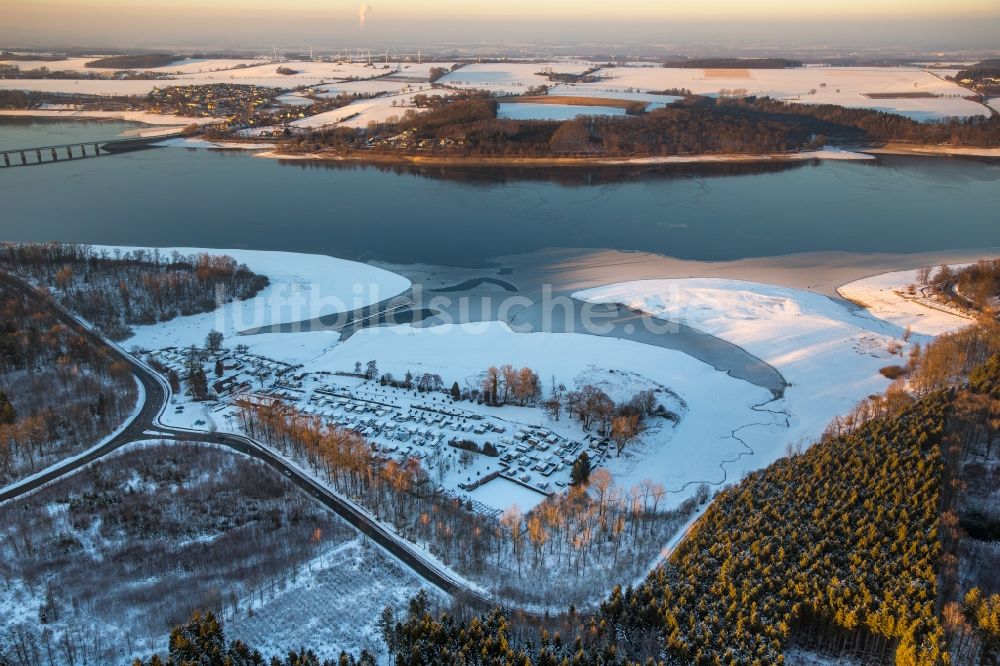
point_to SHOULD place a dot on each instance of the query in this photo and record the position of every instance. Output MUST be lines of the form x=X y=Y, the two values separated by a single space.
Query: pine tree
x=7 y=412
x=175 y=382
x=580 y=473
x=198 y=384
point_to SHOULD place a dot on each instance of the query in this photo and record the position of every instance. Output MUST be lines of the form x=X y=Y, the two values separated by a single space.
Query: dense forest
x=117 y=289
x=59 y=393
x=734 y=63
x=468 y=127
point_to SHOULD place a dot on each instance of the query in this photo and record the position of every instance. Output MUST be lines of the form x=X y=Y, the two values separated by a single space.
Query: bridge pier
x=49 y=154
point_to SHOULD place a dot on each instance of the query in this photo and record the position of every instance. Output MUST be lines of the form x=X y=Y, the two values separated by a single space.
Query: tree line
x=115 y=290
x=468 y=127
x=554 y=553
x=58 y=391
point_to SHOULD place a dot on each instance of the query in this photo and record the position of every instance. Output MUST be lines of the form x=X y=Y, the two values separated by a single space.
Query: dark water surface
x=463 y=217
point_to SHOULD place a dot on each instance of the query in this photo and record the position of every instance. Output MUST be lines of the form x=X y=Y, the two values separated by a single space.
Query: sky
x=329 y=23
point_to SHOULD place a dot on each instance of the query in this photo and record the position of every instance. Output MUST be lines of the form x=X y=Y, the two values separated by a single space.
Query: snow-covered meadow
x=363 y=111
x=846 y=86
x=511 y=78
x=201 y=72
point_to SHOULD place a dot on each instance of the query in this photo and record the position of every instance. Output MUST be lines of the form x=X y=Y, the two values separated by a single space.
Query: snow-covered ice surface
x=303 y=286
x=887 y=297
x=829 y=354
x=554 y=111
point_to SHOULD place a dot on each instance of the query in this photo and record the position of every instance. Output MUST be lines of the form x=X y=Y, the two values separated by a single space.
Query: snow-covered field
x=183 y=66
x=111 y=87
x=888 y=297
x=307 y=73
x=358 y=114
x=373 y=87
x=846 y=86
x=554 y=111
x=510 y=77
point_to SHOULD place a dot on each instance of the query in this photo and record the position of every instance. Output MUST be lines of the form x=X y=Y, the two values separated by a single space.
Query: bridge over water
x=17 y=157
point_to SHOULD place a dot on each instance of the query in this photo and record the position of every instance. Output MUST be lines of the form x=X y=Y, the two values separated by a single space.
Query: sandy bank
x=545 y=162
x=960 y=151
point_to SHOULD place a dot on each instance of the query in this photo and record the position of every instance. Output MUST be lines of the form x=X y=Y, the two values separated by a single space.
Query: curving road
x=157 y=394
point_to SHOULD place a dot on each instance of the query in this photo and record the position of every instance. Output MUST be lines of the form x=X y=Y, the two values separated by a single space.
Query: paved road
x=147 y=419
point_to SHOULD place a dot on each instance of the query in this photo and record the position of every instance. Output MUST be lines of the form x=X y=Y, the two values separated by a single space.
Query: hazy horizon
x=331 y=24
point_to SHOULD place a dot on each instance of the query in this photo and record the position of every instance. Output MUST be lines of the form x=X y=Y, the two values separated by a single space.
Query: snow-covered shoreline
x=827 y=153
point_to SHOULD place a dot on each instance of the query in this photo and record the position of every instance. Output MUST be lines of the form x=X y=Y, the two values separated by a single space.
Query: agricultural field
x=913 y=92
x=358 y=114
x=510 y=78
x=201 y=72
